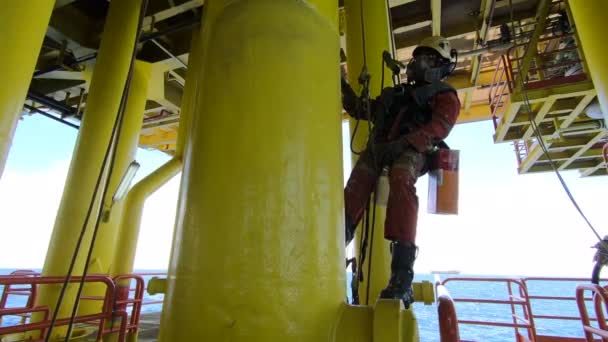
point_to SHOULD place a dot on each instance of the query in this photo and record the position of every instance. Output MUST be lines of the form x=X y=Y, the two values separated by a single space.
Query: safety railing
x=500 y=88
x=446 y=312
x=107 y=312
x=118 y=306
x=135 y=302
x=555 y=61
x=516 y=300
x=533 y=310
x=25 y=290
x=600 y=305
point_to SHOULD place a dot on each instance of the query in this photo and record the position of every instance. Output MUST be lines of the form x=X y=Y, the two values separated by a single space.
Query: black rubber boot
x=349 y=230
x=402 y=273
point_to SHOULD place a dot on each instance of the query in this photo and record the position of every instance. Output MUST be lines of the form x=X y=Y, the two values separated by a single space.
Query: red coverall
x=402 y=206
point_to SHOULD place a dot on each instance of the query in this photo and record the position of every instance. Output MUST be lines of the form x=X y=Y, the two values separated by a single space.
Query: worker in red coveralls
x=410 y=119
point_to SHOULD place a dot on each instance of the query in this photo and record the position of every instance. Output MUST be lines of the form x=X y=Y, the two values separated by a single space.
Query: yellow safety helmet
x=441 y=45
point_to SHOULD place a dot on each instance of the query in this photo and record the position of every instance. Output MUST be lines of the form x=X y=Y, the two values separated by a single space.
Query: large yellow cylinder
x=105 y=244
x=103 y=102
x=258 y=254
x=590 y=23
x=23 y=39
x=377 y=39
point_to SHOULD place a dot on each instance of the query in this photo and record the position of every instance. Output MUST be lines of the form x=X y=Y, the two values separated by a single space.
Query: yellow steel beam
x=590 y=22
x=159 y=137
x=565 y=155
x=461 y=79
x=240 y=215
x=580 y=107
x=103 y=252
x=583 y=149
x=109 y=77
x=507 y=118
x=377 y=39
x=131 y=220
x=539 y=116
x=436 y=15
x=479 y=112
x=18 y=61
x=590 y=171
x=535 y=153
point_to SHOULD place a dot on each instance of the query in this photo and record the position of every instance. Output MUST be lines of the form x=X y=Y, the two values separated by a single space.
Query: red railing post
x=446 y=311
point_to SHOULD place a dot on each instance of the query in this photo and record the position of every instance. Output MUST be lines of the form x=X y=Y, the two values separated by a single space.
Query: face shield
x=424 y=68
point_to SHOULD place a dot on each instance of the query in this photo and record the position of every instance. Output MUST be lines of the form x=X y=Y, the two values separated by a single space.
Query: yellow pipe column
x=377 y=39
x=134 y=203
x=257 y=253
x=22 y=27
x=590 y=22
x=103 y=101
x=105 y=245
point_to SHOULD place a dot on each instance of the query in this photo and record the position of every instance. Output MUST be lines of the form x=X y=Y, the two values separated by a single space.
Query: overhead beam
x=158 y=138
x=584 y=149
x=590 y=171
x=461 y=79
x=171 y=12
x=479 y=112
x=413 y=27
x=407 y=40
x=539 y=116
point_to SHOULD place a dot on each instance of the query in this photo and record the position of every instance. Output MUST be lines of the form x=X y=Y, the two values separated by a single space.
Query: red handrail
x=526 y=322
x=107 y=312
x=446 y=310
x=136 y=302
x=600 y=295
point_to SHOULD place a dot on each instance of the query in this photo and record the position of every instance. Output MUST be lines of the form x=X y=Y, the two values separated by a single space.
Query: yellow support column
x=134 y=206
x=590 y=22
x=103 y=253
x=103 y=101
x=257 y=253
x=22 y=28
x=377 y=39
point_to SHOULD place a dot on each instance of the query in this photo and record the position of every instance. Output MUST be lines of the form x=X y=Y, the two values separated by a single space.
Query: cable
x=540 y=140
x=112 y=147
x=363 y=42
x=371 y=243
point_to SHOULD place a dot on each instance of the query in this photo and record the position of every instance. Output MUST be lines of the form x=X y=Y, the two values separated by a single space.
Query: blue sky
x=508 y=223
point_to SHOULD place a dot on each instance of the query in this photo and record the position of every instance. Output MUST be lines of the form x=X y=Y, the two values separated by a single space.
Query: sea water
x=427 y=314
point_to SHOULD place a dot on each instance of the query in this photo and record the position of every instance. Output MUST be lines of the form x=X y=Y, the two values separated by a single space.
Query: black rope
x=371 y=244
